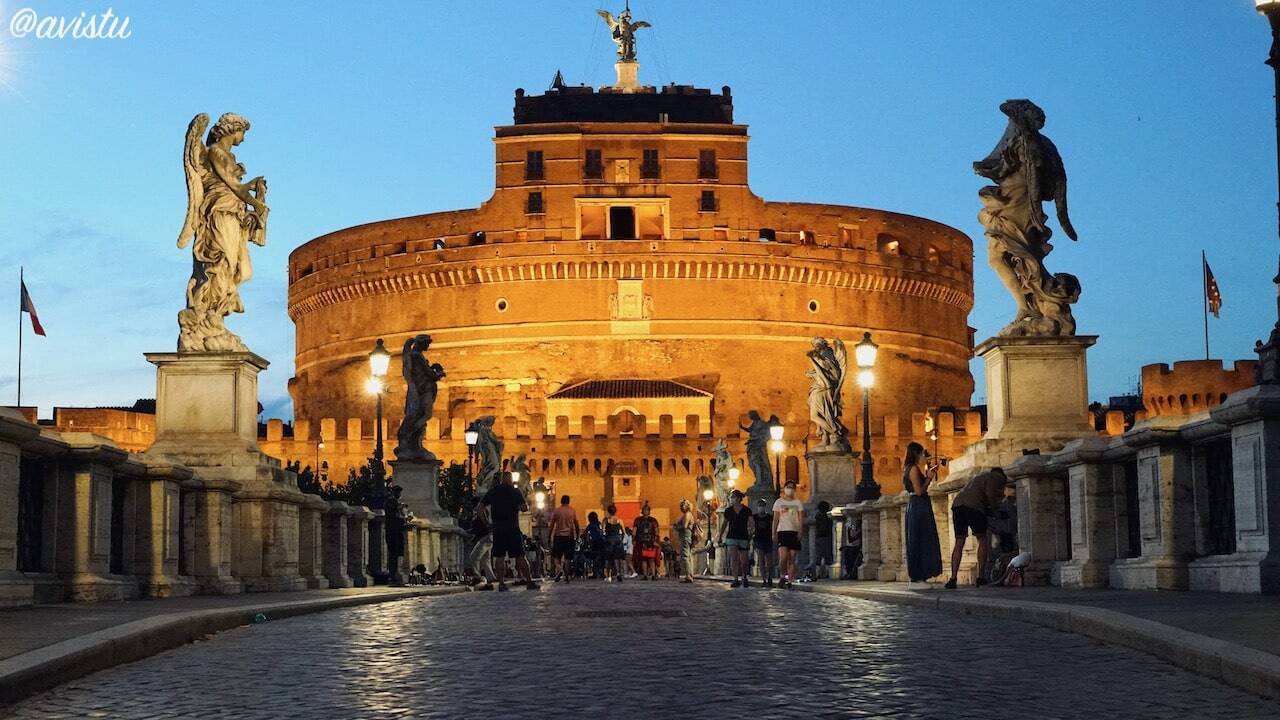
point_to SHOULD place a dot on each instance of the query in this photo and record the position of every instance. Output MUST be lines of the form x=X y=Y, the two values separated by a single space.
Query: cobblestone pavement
x=703 y=651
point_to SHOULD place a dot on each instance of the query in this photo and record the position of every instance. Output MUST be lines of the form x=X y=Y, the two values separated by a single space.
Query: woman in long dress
x=924 y=553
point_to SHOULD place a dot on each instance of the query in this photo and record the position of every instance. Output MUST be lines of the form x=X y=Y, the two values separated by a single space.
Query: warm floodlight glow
x=866 y=379
x=775 y=432
x=515 y=477
x=373 y=386
x=379 y=360
x=734 y=473
x=707 y=494
x=865 y=352
x=541 y=502
x=471 y=437
x=776 y=446
x=320 y=446
x=540 y=497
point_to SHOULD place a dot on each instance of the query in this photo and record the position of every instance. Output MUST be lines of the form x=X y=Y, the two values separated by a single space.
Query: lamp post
x=707 y=495
x=379 y=361
x=1269 y=354
x=776 y=445
x=864 y=354
x=316 y=474
x=471 y=436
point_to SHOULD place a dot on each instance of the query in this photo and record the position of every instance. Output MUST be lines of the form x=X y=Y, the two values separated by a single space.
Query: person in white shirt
x=788 y=522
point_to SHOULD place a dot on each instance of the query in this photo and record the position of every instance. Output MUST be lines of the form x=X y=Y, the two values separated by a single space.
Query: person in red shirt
x=646 y=527
x=564 y=531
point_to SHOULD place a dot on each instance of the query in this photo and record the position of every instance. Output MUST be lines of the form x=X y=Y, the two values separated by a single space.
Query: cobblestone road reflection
x=742 y=654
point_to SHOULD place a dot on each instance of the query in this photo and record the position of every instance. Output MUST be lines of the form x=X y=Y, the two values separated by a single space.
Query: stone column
x=358 y=546
x=158 y=526
x=213 y=535
x=333 y=531
x=15 y=588
x=892 y=552
x=85 y=490
x=311 y=541
x=1253 y=415
x=377 y=553
x=1042 y=525
x=1092 y=491
x=869 y=516
x=1166 y=509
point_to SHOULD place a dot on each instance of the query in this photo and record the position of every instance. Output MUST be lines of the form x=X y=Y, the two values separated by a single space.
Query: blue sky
x=1162 y=111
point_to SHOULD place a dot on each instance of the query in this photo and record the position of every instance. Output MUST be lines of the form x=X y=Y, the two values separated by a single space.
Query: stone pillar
x=1036 y=385
x=358 y=546
x=15 y=588
x=890 y=531
x=206 y=418
x=85 y=493
x=213 y=535
x=377 y=547
x=334 y=543
x=1253 y=415
x=1092 y=499
x=158 y=526
x=832 y=477
x=311 y=541
x=870 y=519
x=1166 y=509
x=1042 y=525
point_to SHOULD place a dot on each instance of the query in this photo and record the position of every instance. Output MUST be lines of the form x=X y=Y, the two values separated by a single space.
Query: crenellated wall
x=1192 y=386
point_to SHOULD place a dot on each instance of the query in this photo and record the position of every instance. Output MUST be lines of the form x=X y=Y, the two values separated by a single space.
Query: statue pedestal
x=832 y=476
x=1037 y=397
x=628 y=76
x=206 y=418
x=421 y=490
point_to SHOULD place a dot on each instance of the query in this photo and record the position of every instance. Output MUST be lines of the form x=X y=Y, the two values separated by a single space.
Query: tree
x=456 y=492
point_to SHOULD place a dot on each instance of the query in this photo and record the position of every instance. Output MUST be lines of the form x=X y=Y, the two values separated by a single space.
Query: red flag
x=1211 y=292
x=30 y=308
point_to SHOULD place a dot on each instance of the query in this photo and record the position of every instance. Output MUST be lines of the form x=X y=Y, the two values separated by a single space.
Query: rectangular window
x=708 y=202
x=707 y=168
x=534 y=205
x=533 y=165
x=649 y=167
x=593 y=166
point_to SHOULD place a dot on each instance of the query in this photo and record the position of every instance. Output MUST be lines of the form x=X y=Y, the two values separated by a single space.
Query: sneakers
x=981 y=581
x=502 y=587
x=735 y=584
x=486 y=586
x=746 y=582
x=951 y=584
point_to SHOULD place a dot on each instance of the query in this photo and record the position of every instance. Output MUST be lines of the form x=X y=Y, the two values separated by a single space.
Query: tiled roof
x=626 y=389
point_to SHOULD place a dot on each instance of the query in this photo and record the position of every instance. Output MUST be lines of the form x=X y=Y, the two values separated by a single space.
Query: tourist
x=646 y=540
x=668 y=557
x=564 y=531
x=823 y=551
x=479 y=560
x=971 y=509
x=762 y=537
x=394 y=523
x=593 y=538
x=788 y=522
x=924 y=554
x=505 y=504
x=683 y=528
x=737 y=528
x=628 y=553
x=614 y=545
x=851 y=548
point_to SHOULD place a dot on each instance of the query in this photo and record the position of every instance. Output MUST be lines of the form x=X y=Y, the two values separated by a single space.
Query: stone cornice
x=1260 y=402
x=805 y=271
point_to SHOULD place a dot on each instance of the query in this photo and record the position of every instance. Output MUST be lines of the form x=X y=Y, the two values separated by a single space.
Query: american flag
x=1212 y=295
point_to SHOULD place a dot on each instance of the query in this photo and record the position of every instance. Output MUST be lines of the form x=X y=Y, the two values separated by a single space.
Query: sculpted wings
x=641 y=24
x=842 y=363
x=608 y=18
x=192 y=166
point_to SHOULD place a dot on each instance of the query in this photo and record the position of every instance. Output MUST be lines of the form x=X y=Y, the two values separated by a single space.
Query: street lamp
x=707 y=495
x=379 y=361
x=733 y=476
x=776 y=445
x=471 y=436
x=864 y=354
x=319 y=447
x=1268 y=372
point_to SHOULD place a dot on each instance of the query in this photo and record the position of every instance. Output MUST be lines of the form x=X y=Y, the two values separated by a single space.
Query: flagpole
x=1204 y=280
x=21 y=280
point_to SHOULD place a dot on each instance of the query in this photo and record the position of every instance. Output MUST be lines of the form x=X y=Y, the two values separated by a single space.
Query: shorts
x=740 y=543
x=507 y=542
x=562 y=547
x=964 y=519
x=764 y=545
x=789 y=539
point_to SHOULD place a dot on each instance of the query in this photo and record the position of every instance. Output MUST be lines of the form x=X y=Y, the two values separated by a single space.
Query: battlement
x=1192 y=386
x=582 y=103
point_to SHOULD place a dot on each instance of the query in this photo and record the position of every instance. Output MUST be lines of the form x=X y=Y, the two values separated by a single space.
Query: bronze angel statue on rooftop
x=1028 y=171
x=224 y=215
x=623 y=32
